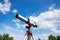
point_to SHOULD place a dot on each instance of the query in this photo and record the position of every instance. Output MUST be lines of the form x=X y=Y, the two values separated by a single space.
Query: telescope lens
x=16 y=15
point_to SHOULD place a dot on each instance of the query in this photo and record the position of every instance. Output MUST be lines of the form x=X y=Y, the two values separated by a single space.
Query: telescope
x=27 y=21
x=30 y=24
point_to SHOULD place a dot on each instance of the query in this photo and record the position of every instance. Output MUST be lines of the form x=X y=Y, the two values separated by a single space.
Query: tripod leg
x=32 y=38
x=25 y=38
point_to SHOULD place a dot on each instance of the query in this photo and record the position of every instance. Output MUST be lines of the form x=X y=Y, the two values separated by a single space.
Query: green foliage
x=51 y=37
x=58 y=37
x=5 y=37
x=39 y=39
x=0 y=37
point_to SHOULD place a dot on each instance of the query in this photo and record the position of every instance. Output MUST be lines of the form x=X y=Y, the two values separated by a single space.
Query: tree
x=39 y=39
x=58 y=37
x=5 y=37
x=51 y=37
x=0 y=37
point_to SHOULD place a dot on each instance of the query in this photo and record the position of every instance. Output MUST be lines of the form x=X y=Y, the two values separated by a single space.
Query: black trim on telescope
x=16 y=15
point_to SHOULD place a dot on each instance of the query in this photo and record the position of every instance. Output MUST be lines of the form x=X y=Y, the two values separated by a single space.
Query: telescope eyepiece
x=35 y=26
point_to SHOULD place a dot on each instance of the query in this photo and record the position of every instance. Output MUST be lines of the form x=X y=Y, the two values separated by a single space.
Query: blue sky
x=44 y=12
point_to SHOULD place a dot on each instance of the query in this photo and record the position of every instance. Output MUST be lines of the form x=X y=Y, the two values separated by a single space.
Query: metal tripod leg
x=32 y=38
x=29 y=35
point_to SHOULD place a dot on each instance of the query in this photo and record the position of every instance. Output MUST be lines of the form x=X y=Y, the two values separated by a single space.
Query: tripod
x=27 y=21
x=28 y=34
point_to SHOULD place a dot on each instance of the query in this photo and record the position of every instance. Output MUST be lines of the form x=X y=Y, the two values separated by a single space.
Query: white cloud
x=24 y=25
x=51 y=7
x=5 y=7
x=16 y=21
x=55 y=31
x=48 y=20
x=14 y=11
x=41 y=36
x=17 y=34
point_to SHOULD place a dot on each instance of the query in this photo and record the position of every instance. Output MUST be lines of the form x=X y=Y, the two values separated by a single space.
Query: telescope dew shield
x=21 y=18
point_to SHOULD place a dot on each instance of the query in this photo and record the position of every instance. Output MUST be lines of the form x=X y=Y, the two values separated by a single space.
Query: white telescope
x=27 y=21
